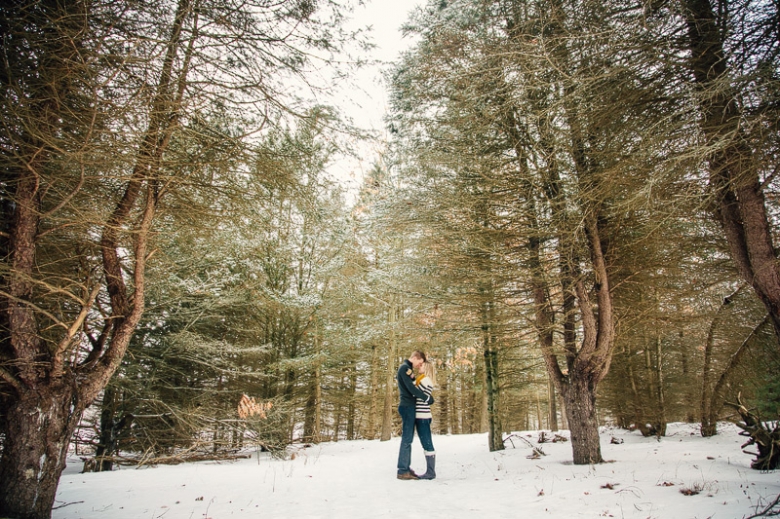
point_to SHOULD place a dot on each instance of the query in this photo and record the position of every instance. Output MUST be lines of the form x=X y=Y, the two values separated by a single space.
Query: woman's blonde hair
x=429 y=370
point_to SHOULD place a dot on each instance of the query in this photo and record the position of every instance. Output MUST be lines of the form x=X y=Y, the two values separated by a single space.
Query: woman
x=426 y=380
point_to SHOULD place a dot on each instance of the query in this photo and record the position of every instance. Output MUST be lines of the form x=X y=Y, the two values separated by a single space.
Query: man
x=406 y=408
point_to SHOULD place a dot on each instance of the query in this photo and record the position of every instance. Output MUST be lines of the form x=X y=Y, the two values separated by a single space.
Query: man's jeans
x=407 y=413
x=423 y=426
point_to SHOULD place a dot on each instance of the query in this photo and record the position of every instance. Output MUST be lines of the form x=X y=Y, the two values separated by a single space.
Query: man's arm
x=408 y=383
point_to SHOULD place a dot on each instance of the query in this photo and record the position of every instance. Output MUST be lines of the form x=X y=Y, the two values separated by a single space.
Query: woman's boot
x=430 y=461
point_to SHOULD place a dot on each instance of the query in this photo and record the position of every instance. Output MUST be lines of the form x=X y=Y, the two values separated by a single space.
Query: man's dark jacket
x=406 y=387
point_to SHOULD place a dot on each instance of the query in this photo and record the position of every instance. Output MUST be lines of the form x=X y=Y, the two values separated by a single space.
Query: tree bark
x=580 y=398
x=38 y=430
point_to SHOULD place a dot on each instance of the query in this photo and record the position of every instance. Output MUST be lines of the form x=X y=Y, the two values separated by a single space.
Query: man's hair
x=419 y=355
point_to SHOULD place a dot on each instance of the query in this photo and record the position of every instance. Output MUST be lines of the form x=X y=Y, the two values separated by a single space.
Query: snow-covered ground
x=643 y=478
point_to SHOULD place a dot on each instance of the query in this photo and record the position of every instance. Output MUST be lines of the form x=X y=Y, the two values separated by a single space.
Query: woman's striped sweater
x=423 y=410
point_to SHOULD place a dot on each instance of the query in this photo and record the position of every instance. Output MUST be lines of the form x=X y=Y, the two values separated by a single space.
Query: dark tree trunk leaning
x=739 y=202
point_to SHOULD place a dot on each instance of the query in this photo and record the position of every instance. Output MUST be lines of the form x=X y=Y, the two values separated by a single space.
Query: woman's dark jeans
x=423 y=426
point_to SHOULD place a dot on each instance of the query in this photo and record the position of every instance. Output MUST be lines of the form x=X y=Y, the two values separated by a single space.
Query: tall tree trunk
x=479 y=399
x=312 y=421
x=495 y=431
x=373 y=391
x=484 y=423
x=43 y=412
x=655 y=390
x=495 y=427
x=339 y=414
x=553 y=408
x=390 y=383
x=660 y=394
x=108 y=431
x=539 y=420
x=689 y=392
x=387 y=415
x=351 y=407
x=709 y=427
x=443 y=402
x=638 y=404
x=588 y=364
x=314 y=403
x=564 y=413
x=457 y=402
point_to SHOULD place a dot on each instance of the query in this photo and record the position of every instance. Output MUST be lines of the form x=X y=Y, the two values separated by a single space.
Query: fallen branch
x=772 y=510
x=67 y=504
x=537 y=450
x=173 y=459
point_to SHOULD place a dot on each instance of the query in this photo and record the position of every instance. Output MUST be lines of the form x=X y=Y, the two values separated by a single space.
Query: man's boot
x=430 y=473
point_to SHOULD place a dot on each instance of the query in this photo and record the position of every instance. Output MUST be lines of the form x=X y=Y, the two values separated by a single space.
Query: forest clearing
x=680 y=476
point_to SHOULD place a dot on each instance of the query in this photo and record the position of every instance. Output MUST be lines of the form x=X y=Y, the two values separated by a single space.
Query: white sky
x=368 y=104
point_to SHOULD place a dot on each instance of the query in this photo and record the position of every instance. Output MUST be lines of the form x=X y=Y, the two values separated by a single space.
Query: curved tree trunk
x=709 y=425
x=715 y=399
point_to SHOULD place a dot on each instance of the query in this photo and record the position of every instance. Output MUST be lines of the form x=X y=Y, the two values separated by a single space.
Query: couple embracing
x=415 y=410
